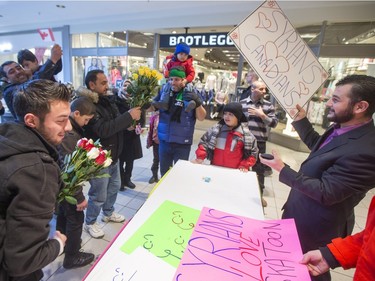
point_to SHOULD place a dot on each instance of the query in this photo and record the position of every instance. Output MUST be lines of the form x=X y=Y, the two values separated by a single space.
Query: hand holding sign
x=56 y=53
x=301 y=113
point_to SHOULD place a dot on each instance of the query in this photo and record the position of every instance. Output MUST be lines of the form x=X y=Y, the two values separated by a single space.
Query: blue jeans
x=170 y=153
x=103 y=193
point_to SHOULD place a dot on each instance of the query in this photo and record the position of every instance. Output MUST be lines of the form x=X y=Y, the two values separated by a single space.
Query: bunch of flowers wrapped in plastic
x=145 y=82
x=85 y=163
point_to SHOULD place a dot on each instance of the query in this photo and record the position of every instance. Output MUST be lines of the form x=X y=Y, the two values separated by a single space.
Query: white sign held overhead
x=283 y=60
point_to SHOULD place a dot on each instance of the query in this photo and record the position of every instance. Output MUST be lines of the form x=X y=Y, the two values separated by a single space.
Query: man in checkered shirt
x=260 y=114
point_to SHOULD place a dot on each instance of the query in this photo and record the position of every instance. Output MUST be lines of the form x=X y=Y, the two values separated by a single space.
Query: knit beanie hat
x=236 y=109
x=182 y=48
x=177 y=72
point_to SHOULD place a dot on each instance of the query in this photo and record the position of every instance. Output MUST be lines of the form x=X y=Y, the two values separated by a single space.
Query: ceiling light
x=6 y=47
x=308 y=35
x=174 y=31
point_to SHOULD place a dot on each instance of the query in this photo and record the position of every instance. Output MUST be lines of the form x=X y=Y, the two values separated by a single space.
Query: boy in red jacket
x=180 y=58
x=229 y=143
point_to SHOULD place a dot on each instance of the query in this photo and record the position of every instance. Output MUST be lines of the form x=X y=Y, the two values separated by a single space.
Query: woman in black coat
x=132 y=148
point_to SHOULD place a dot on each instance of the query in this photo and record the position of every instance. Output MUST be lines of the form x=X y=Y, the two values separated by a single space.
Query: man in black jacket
x=30 y=179
x=108 y=126
x=339 y=170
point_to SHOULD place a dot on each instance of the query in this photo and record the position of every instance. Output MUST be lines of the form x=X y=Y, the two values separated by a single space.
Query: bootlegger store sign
x=196 y=40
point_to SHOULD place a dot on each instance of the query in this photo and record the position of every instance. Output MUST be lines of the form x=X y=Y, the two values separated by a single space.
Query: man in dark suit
x=339 y=170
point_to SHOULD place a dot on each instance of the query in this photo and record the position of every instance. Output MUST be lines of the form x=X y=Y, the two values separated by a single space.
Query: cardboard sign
x=283 y=60
x=224 y=247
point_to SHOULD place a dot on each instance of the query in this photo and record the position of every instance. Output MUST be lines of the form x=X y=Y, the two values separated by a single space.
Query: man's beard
x=343 y=117
x=176 y=89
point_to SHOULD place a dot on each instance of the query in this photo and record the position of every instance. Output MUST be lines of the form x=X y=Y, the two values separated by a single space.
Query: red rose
x=85 y=144
x=101 y=158
x=88 y=146
x=82 y=143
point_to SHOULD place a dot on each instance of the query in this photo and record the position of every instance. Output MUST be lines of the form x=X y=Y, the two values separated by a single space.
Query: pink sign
x=224 y=247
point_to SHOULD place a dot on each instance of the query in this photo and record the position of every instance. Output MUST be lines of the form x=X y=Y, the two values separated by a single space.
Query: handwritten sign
x=229 y=247
x=165 y=233
x=123 y=267
x=283 y=60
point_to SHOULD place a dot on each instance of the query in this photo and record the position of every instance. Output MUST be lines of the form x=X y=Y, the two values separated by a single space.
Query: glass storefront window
x=141 y=40
x=116 y=68
x=87 y=40
x=112 y=39
x=316 y=107
x=82 y=65
x=339 y=33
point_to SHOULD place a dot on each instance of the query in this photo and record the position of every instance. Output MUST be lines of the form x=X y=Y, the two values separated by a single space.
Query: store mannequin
x=199 y=85
x=221 y=99
x=211 y=82
x=232 y=88
x=224 y=82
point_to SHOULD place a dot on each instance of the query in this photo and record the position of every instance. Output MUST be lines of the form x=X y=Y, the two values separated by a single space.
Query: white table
x=188 y=184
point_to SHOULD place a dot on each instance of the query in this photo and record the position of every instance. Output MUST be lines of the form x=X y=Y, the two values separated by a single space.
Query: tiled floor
x=129 y=201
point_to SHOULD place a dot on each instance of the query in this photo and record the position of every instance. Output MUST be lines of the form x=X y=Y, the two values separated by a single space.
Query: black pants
x=259 y=168
x=155 y=161
x=126 y=173
x=35 y=276
x=69 y=222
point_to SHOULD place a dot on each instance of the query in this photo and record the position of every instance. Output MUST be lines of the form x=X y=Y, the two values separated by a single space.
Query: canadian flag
x=46 y=34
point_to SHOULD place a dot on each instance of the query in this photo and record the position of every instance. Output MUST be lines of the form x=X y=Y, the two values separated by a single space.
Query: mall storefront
x=218 y=64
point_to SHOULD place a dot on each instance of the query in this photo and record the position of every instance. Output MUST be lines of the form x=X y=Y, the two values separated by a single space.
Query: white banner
x=283 y=60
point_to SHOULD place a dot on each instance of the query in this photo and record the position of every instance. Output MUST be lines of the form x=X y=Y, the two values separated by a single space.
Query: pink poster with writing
x=224 y=247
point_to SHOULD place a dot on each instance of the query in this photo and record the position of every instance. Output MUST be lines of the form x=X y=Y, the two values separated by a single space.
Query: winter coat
x=152 y=136
x=226 y=147
x=188 y=65
x=179 y=131
x=29 y=185
x=132 y=148
x=358 y=250
x=107 y=124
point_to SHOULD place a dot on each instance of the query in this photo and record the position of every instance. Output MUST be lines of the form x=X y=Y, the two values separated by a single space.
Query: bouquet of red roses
x=85 y=163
